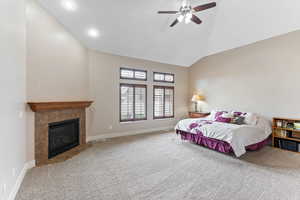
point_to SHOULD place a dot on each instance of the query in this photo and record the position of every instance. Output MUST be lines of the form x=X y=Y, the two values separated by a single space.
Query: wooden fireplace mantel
x=48 y=106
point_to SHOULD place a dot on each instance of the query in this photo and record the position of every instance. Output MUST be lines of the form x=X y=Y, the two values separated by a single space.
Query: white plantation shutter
x=140 y=102
x=158 y=102
x=169 y=96
x=163 y=102
x=133 y=102
x=126 y=103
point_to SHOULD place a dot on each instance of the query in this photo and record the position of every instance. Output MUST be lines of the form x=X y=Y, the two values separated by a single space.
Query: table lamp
x=196 y=98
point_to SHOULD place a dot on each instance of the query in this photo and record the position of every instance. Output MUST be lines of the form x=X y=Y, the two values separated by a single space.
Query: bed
x=220 y=131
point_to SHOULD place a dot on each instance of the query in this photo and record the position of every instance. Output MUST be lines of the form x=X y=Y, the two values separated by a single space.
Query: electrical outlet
x=110 y=127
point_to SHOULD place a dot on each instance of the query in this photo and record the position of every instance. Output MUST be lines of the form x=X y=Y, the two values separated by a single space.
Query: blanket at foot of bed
x=215 y=144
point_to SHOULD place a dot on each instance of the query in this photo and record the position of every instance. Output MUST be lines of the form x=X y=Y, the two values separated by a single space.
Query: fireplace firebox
x=63 y=136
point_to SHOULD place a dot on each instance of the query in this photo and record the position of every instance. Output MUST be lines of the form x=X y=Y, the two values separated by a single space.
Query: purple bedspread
x=215 y=144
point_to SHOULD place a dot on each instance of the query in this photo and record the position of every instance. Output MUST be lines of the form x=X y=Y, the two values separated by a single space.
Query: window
x=133 y=74
x=163 y=102
x=133 y=102
x=163 y=77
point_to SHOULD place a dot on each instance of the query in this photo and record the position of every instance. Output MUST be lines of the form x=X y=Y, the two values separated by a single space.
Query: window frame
x=163 y=81
x=120 y=103
x=133 y=70
x=163 y=87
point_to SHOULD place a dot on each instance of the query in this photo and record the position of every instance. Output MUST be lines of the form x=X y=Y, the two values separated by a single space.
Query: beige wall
x=262 y=77
x=57 y=64
x=104 y=89
x=59 y=68
x=12 y=90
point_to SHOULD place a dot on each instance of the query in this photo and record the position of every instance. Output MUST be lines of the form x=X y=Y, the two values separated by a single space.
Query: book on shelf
x=286 y=134
x=284 y=124
x=281 y=133
x=294 y=135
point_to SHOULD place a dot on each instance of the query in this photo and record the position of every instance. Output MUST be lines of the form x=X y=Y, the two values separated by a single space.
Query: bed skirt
x=215 y=144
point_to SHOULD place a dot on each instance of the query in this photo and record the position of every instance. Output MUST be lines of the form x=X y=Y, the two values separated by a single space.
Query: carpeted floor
x=161 y=167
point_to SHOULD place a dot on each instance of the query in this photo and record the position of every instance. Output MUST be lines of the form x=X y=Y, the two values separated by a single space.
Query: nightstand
x=198 y=114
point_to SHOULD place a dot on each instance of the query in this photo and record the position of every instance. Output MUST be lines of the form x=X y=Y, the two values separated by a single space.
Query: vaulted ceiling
x=133 y=28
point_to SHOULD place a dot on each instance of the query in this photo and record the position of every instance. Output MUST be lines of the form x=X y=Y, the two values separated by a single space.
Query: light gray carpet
x=159 y=166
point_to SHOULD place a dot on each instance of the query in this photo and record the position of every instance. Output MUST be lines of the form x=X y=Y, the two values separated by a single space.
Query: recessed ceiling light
x=92 y=32
x=69 y=5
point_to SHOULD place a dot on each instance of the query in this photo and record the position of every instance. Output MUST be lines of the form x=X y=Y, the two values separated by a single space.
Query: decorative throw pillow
x=238 y=120
x=219 y=113
x=225 y=117
x=214 y=114
x=236 y=113
x=222 y=119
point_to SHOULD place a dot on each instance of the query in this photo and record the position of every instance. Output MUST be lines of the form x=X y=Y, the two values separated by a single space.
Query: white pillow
x=212 y=115
x=227 y=115
x=251 y=119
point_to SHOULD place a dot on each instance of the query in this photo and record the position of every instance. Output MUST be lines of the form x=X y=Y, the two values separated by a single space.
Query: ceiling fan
x=187 y=13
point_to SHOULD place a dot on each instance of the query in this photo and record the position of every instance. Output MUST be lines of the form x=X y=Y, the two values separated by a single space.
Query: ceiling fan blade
x=196 y=19
x=174 y=23
x=205 y=6
x=167 y=12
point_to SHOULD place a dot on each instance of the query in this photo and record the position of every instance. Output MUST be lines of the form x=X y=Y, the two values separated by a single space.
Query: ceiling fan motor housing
x=185 y=10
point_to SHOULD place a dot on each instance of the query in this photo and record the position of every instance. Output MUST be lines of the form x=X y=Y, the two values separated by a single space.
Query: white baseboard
x=20 y=178
x=120 y=134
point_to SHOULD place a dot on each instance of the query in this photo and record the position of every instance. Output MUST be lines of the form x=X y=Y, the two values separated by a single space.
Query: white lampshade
x=197 y=98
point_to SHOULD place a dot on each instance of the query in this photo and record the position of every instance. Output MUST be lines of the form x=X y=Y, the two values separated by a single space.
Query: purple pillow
x=238 y=114
x=223 y=119
x=219 y=113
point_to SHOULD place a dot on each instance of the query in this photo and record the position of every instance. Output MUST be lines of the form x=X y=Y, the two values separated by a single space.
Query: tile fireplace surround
x=49 y=112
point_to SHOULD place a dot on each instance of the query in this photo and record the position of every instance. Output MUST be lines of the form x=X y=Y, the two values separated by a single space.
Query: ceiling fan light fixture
x=189 y=15
x=180 y=18
x=187 y=20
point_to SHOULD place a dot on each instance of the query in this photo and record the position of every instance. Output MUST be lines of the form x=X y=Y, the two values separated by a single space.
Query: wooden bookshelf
x=285 y=135
x=287 y=129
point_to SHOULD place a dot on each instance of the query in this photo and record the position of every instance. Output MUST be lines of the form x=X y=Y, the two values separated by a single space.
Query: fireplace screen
x=63 y=136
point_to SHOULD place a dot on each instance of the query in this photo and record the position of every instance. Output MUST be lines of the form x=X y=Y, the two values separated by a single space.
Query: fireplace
x=63 y=136
x=60 y=131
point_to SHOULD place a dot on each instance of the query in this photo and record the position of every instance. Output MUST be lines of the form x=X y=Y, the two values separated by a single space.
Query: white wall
x=104 y=89
x=261 y=77
x=12 y=90
x=59 y=68
x=57 y=64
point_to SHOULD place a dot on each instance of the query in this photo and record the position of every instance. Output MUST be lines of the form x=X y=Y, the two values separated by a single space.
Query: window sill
x=167 y=118
x=132 y=122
